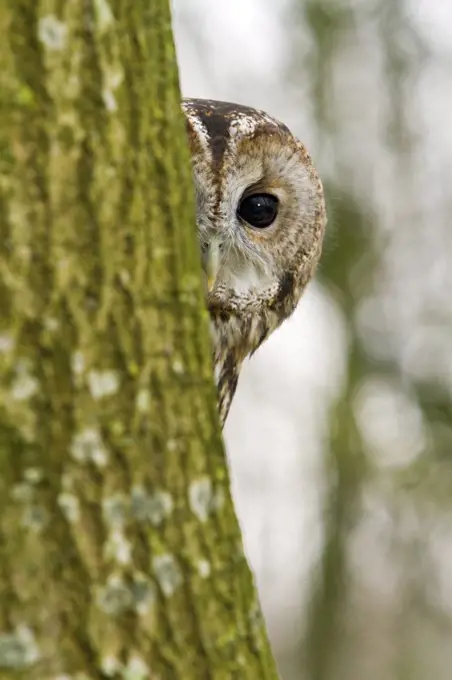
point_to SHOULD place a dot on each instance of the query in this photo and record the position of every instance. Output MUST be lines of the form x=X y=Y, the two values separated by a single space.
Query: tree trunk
x=120 y=552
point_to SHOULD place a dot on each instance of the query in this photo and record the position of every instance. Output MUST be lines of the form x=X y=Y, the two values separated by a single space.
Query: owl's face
x=260 y=209
x=261 y=219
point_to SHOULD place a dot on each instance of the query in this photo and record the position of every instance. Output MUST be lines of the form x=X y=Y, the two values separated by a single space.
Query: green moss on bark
x=120 y=552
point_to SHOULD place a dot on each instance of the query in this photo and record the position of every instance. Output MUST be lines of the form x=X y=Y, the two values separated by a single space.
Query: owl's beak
x=211 y=259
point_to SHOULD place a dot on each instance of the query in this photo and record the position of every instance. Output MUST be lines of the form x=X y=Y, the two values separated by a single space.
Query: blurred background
x=340 y=436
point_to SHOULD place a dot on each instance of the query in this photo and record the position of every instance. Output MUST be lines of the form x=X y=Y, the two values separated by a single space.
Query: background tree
x=120 y=552
x=391 y=624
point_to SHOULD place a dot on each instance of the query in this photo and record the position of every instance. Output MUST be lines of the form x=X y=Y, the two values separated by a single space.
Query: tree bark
x=120 y=553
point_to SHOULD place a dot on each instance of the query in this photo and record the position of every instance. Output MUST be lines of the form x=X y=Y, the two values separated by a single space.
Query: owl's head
x=261 y=219
x=260 y=208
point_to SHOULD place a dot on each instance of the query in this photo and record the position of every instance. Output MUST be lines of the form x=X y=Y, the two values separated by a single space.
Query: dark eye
x=259 y=210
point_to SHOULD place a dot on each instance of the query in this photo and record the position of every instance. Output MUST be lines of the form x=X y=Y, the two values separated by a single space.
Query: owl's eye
x=258 y=210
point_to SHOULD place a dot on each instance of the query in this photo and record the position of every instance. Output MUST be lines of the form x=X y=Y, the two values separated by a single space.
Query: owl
x=260 y=219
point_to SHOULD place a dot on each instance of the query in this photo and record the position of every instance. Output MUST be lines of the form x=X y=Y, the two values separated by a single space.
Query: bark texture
x=120 y=554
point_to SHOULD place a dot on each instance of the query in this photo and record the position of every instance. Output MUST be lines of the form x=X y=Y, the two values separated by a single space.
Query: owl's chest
x=240 y=335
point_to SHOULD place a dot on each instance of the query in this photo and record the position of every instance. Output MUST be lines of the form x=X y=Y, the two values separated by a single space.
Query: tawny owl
x=261 y=220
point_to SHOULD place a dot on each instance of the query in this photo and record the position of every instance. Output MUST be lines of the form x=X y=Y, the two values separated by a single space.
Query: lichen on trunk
x=120 y=554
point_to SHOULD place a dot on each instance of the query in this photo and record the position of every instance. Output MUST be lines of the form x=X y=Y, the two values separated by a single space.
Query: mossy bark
x=120 y=553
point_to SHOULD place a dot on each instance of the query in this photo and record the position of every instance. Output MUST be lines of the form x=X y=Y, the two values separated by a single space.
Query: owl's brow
x=220 y=122
x=217 y=128
x=256 y=184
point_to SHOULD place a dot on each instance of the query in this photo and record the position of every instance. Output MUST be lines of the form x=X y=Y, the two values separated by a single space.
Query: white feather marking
x=246 y=278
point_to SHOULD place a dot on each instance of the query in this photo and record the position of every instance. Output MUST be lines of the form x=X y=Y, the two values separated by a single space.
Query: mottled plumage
x=247 y=163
